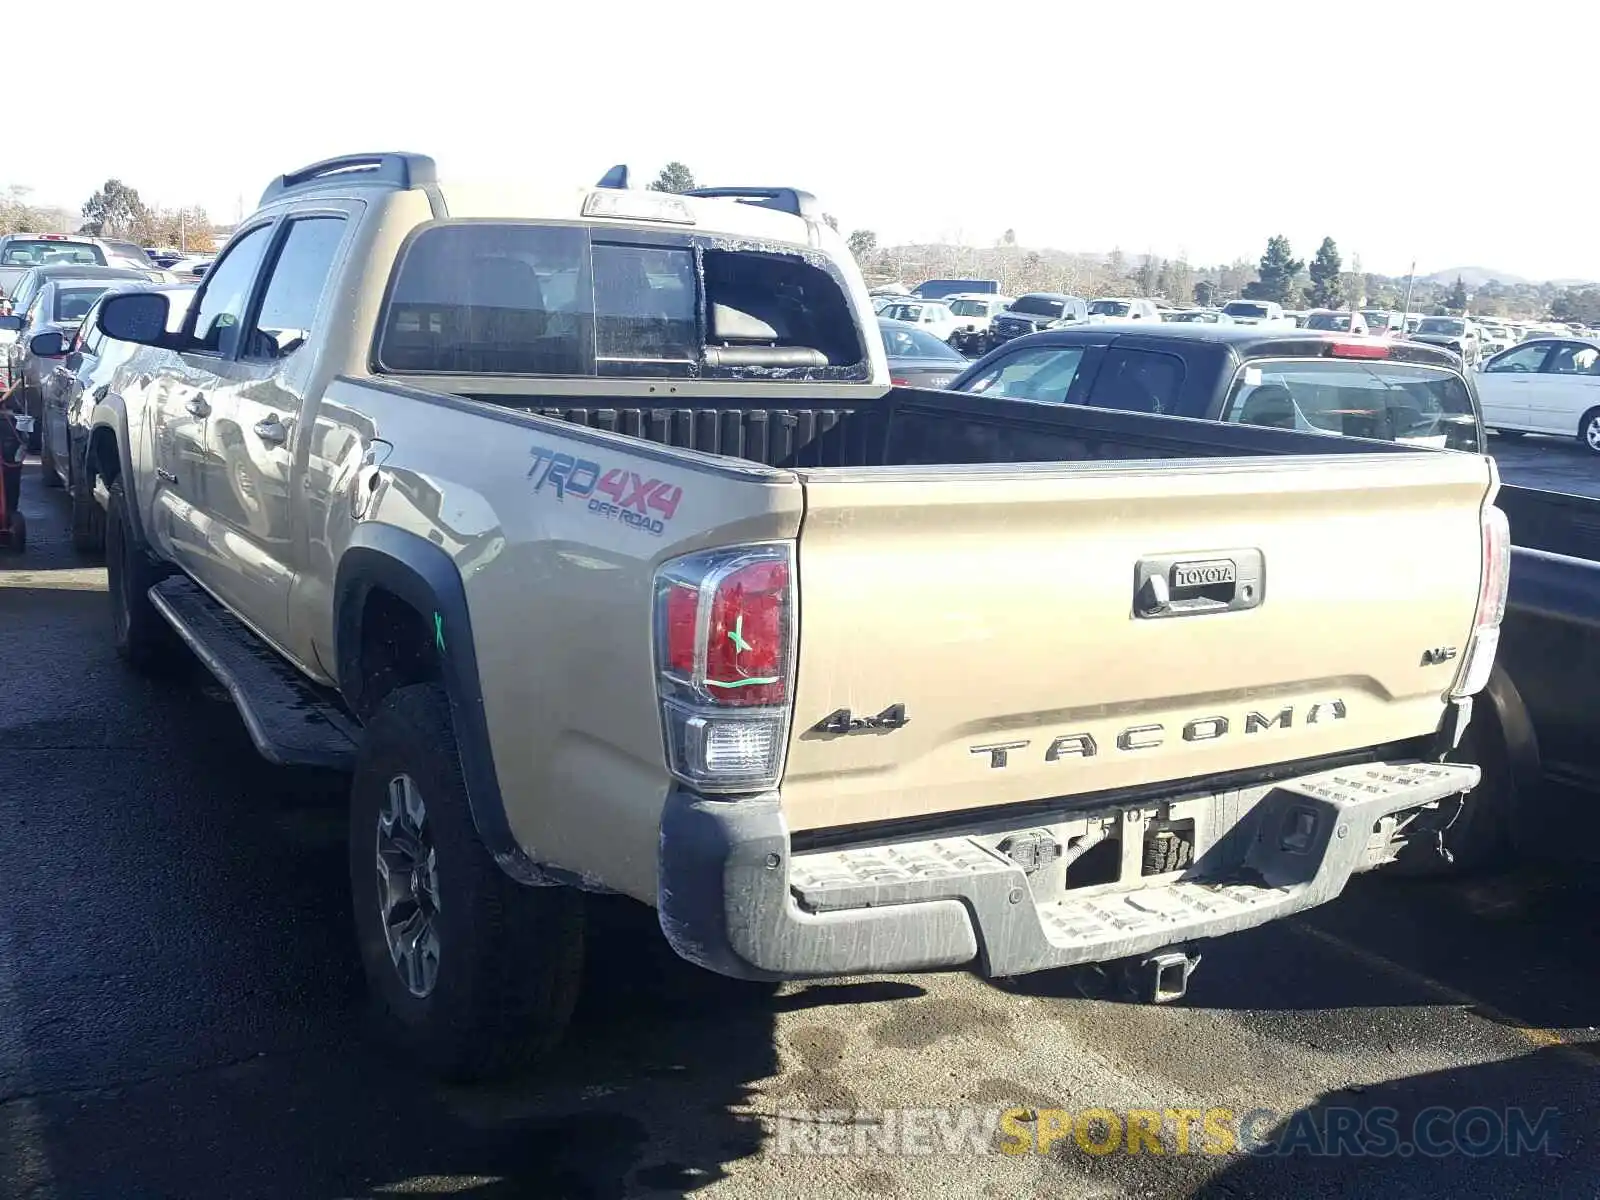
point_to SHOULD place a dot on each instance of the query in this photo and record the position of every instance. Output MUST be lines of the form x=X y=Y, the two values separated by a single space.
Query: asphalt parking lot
x=180 y=1005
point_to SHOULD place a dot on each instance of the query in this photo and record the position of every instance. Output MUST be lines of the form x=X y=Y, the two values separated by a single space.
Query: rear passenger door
x=255 y=432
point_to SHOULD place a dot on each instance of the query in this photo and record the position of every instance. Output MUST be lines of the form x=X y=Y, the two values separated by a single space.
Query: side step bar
x=291 y=722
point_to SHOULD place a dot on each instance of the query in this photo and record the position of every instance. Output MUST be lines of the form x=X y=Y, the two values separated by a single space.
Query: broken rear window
x=502 y=298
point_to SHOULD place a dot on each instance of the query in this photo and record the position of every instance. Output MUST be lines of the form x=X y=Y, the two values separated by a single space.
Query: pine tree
x=1276 y=272
x=1327 y=282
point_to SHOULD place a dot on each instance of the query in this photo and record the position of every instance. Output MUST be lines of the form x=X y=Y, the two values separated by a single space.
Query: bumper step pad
x=1271 y=851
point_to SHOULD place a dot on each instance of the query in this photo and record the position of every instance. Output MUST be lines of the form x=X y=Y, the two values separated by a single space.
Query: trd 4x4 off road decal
x=616 y=495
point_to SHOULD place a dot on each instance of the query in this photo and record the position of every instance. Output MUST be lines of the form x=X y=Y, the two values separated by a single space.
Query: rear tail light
x=725 y=635
x=1485 y=639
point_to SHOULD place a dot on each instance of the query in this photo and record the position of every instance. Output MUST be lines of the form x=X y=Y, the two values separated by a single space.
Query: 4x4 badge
x=843 y=721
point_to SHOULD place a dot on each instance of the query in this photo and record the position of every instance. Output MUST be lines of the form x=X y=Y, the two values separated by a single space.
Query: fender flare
x=110 y=413
x=425 y=577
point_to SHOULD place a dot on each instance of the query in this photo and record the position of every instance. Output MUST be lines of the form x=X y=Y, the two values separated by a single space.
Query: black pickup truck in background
x=1536 y=728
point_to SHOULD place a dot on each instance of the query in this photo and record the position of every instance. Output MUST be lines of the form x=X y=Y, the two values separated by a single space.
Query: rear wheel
x=1475 y=828
x=1589 y=430
x=471 y=973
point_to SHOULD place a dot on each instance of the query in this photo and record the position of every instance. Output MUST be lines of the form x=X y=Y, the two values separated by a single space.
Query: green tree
x=1577 y=304
x=1116 y=265
x=862 y=242
x=1327 y=283
x=1008 y=238
x=674 y=177
x=1456 y=300
x=114 y=211
x=1275 y=273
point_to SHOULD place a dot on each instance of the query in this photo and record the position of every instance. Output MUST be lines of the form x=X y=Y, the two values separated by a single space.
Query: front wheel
x=88 y=518
x=140 y=633
x=1589 y=430
x=472 y=974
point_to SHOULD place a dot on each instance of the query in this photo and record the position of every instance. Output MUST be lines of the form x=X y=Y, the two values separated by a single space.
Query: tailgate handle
x=1198 y=583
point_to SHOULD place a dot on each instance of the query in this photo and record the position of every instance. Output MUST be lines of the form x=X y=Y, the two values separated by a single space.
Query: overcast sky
x=1406 y=129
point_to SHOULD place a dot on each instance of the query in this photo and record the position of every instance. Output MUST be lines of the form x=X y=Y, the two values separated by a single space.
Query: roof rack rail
x=617 y=177
x=393 y=169
x=790 y=200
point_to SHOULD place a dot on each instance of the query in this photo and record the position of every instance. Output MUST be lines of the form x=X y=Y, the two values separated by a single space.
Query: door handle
x=272 y=431
x=1189 y=585
x=198 y=407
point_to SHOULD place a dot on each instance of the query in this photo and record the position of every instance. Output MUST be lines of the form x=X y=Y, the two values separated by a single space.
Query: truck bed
x=919 y=426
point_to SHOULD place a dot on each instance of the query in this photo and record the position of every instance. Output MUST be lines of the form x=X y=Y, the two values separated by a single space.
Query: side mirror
x=138 y=317
x=48 y=345
x=11 y=323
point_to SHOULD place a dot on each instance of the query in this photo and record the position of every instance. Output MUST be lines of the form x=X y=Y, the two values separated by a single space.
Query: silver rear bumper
x=734 y=899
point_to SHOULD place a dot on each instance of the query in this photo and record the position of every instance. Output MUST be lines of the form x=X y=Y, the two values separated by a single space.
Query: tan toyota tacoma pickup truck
x=584 y=528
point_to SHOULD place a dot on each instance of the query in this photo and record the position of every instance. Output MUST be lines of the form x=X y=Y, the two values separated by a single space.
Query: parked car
x=1383 y=323
x=917 y=358
x=1280 y=378
x=975 y=311
x=553 y=632
x=130 y=253
x=1551 y=385
x=939 y=289
x=85 y=372
x=1258 y=312
x=932 y=315
x=1456 y=334
x=1123 y=308
x=1033 y=312
x=1328 y=320
x=51 y=298
x=22 y=252
x=1197 y=316
x=190 y=270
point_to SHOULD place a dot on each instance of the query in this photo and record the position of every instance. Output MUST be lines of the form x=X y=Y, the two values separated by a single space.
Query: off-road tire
x=1166 y=851
x=141 y=635
x=88 y=519
x=510 y=957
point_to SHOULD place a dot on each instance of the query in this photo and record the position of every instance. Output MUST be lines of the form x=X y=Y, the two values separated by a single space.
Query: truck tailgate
x=1002 y=609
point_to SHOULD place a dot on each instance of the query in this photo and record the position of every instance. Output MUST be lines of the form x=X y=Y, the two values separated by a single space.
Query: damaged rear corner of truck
x=1042 y=717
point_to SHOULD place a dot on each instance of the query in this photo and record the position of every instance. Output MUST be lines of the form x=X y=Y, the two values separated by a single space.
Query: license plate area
x=1112 y=851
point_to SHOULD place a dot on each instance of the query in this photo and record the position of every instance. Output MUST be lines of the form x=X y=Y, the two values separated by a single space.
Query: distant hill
x=1474 y=277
